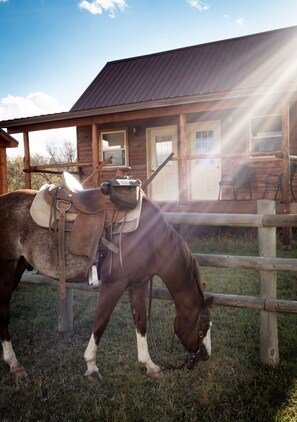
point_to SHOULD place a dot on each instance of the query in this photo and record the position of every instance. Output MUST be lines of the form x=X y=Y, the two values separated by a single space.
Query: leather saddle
x=86 y=213
x=89 y=210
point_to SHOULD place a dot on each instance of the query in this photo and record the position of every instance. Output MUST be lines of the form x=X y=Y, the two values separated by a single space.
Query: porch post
x=3 y=171
x=183 y=184
x=286 y=153
x=27 y=163
x=95 y=155
x=286 y=192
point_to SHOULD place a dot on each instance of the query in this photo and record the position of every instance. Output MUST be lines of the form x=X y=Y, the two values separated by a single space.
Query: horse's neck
x=180 y=274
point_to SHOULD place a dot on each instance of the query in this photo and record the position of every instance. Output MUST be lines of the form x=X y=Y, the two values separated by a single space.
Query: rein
x=191 y=358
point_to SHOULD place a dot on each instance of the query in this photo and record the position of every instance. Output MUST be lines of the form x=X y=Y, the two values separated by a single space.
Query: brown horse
x=153 y=249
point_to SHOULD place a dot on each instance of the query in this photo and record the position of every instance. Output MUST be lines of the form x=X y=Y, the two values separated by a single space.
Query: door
x=204 y=174
x=162 y=141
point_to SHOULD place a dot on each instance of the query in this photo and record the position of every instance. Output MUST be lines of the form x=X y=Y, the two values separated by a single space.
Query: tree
x=56 y=155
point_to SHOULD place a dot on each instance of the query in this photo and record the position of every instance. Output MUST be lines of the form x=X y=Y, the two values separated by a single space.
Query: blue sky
x=52 y=49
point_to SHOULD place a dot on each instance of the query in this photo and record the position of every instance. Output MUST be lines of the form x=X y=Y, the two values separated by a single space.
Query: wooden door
x=162 y=141
x=204 y=174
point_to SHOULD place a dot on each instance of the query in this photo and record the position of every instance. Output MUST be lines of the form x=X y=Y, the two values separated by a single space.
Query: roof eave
x=9 y=141
x=144 y=105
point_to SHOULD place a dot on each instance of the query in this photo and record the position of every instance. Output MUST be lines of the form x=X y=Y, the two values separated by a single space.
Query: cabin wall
x=137 y=146
x=234 y=134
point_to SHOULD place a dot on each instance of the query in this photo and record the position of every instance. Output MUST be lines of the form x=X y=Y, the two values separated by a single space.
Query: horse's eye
x=200 y=334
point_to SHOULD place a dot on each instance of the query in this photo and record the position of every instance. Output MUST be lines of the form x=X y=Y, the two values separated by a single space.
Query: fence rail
x=267 y=263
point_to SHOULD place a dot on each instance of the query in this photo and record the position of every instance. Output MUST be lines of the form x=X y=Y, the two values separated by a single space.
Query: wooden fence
x=267 y=263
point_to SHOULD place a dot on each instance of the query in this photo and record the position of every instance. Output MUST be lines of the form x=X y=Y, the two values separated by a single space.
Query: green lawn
x=231 y=386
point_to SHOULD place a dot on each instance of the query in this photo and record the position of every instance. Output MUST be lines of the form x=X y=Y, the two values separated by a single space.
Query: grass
x=231 y=386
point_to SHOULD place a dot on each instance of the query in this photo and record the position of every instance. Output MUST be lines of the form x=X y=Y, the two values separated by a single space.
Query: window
x=114 y=144
x=204 y=144
x=163 y=148
x=266 y=133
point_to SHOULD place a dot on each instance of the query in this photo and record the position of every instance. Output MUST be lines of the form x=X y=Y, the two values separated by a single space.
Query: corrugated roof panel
x=233 y=64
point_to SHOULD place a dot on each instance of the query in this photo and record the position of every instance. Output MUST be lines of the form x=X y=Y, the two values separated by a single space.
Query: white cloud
x=35 y=104
x=198 y=4
x=96 y=7
x=240 y=21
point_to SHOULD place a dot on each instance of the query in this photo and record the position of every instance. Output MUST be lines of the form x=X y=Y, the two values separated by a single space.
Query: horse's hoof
x=155 y=374
x=18 y=373
x=93 y=376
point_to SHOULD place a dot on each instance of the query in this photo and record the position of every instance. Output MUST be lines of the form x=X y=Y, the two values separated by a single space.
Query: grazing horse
x=154 y=248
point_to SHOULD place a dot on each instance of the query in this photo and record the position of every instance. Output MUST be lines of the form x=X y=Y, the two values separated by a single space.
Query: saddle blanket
x=41 y=214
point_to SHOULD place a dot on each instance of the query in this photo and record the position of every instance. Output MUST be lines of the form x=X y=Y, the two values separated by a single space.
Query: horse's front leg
x=90 y=358
x=137 y=296
x=109 y=295
x=16 y=369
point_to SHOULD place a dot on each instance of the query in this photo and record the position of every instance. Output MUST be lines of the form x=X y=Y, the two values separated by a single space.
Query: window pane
x=113 y=141
x=267 y=125
x=118 y=157
x=163 y=149
x=266 y=132
x=204 y=141
x=267 y=144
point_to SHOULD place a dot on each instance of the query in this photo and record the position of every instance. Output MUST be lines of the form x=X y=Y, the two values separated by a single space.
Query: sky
x=51 y=50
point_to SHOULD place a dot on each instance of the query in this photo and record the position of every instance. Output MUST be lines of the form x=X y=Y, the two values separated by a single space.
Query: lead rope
x=166 y=364
x=62 y=206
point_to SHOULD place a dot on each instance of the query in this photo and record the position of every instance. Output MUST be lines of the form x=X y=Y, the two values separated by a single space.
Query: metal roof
x=232 y=68
x=245 y=63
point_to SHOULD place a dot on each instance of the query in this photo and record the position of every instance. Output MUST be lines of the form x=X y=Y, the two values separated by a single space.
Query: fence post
x=269 y=352
x=65 y=311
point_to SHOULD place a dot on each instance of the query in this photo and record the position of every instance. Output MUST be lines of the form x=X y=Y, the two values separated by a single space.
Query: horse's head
x=194 y=333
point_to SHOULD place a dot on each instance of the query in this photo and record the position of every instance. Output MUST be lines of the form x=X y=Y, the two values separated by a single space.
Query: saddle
x=86 y=213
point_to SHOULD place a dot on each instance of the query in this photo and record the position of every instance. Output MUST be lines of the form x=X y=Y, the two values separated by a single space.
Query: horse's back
x=17 y=199
x=14 y=216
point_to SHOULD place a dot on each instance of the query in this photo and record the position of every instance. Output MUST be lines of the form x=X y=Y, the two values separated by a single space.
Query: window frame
x=125 y=148
x=273 y=134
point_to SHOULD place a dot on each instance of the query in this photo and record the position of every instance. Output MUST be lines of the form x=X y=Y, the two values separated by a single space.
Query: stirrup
x=93 y=277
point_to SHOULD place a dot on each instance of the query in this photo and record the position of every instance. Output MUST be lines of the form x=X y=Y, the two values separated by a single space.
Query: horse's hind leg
x=137 y=296
x=9 y=281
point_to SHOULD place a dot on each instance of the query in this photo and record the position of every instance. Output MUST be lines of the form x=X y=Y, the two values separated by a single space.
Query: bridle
x=191 y=358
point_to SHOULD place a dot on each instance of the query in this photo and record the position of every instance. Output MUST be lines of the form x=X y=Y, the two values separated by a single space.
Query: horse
x=153 y=249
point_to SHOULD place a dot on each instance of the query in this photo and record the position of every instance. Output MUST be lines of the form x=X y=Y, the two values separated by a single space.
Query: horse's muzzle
x=193 y=358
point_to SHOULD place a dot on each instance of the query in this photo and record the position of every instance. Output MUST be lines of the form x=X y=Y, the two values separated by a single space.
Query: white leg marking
x=90 y=358
x=144 y=356
x=207 y=341
x=10 y=358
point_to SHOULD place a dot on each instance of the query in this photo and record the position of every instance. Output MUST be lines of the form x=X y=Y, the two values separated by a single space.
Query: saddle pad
x=130 y=221
x=40 y=210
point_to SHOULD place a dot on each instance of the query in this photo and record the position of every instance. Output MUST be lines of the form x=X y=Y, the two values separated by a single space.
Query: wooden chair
x=241 y=177
x=273 y=182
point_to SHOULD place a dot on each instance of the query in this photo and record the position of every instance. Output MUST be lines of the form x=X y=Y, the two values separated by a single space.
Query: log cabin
x=226 y=109
x=6 y=141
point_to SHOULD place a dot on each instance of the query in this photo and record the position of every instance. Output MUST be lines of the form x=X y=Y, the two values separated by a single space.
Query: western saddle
x=86 y=213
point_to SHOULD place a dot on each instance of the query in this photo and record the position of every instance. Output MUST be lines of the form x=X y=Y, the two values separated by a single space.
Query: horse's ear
x=209 y=302
x=203 y=287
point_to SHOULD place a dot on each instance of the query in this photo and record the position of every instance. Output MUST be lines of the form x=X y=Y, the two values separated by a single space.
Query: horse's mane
x=180 y=248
